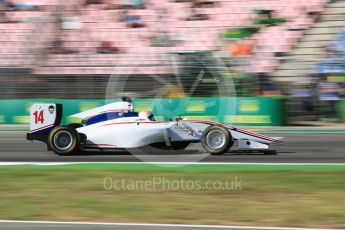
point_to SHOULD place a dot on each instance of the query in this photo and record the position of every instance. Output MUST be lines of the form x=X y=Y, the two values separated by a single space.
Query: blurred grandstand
x=68 y=49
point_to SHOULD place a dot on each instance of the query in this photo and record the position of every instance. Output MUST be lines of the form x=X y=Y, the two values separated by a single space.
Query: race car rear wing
x=43 y=118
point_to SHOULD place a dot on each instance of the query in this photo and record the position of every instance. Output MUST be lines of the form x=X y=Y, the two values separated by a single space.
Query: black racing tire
x=225 y=140
x=64 y=140
x=75 y=125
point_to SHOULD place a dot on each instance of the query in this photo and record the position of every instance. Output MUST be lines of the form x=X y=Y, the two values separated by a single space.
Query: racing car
x=117 y=126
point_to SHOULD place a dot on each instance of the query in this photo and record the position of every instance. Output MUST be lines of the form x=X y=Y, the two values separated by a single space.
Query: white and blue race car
x=118 y=126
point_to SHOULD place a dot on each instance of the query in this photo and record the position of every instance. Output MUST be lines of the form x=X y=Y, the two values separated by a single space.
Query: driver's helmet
x=130 y=107
x=146 y=115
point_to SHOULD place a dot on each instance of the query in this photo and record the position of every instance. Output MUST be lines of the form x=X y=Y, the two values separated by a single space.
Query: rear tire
x=75 y=125
x=216 y=140
x=64 y=140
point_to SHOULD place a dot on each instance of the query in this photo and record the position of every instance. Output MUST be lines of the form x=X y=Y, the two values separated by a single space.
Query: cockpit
x=108 y=116
x=113 y=111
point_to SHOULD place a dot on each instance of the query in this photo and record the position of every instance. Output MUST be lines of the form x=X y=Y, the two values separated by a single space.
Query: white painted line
x=153 y=225
x=170 y=163
x=36 y=163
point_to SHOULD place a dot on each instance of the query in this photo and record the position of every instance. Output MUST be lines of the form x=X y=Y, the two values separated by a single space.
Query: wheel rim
x=63 y=140
x=215 y=139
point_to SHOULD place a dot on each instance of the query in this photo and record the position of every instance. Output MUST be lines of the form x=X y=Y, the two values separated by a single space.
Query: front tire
x=64 y=140
x=216 y=140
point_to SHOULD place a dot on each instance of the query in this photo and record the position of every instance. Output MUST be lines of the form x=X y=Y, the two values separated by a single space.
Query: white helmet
x=145 y=114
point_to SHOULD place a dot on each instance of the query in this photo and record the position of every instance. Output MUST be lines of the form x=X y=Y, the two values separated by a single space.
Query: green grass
x=295 y=196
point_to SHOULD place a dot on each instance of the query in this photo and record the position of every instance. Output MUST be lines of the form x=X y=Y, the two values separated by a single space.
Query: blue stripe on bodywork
x=43 y=131
x=109 y=116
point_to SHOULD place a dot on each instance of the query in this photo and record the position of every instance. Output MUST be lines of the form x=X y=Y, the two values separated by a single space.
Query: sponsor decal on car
x=185 y=130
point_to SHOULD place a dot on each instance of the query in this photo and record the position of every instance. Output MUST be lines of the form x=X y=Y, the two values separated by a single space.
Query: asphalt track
x=37 y=225
x=297 y=148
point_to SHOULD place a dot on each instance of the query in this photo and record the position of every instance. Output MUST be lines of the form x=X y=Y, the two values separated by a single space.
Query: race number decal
x=42 y=116
x=39 y=117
